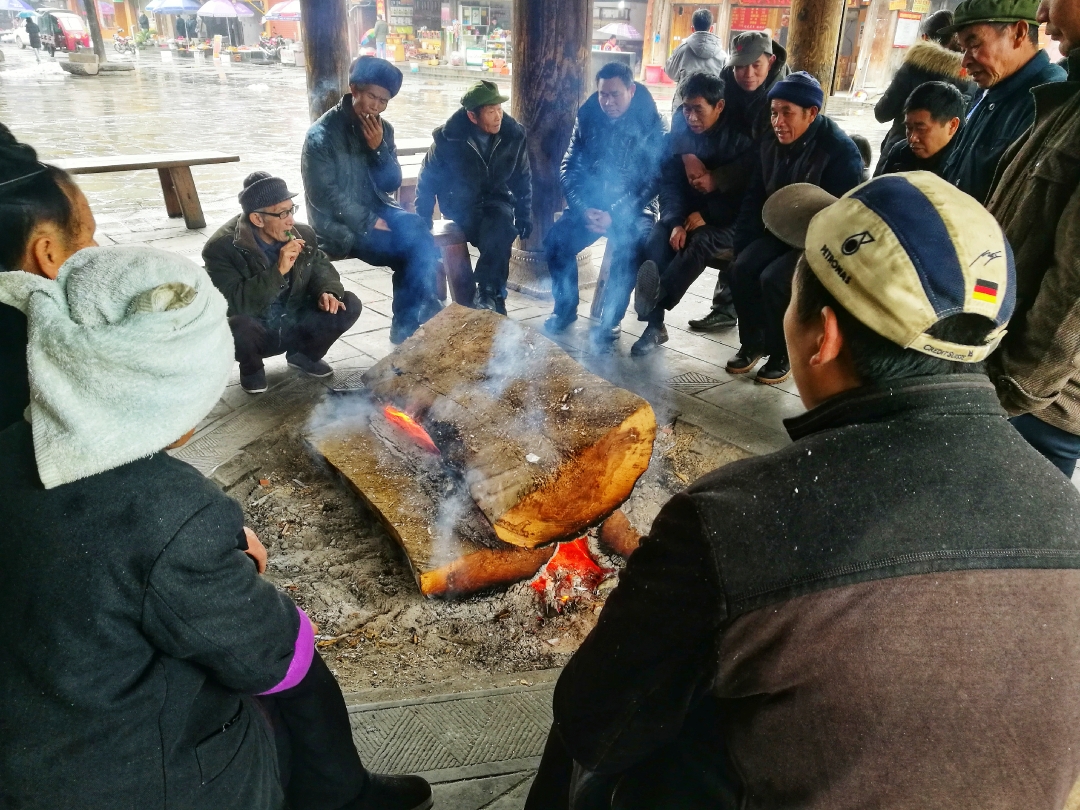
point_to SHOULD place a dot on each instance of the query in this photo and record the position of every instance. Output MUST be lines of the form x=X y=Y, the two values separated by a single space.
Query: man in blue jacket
x=350 y=169
x=807 y=148
x=1000 y=39
x=609 y=178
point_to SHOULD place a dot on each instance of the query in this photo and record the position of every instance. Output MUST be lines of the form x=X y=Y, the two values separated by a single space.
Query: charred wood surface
x=545 y=448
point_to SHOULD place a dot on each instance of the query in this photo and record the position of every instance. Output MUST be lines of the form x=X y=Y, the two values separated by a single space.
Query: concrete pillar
x=551 y=57
x=814 y=38
x=324 y=27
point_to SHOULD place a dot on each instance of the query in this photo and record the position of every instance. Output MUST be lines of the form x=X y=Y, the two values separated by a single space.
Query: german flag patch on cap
x=985 y=291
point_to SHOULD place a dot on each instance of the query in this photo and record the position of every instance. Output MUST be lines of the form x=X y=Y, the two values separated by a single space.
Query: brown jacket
x=1037 y=202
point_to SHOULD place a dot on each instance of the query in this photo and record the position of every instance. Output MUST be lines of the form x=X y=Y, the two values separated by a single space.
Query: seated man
x=806 y=147
x=350 y=169
x=1000 y=39
x=865 y=618
x=609 y=179
x=697 y=210
x=757 y=63
x=478 y=169
x=933 y=114
x=284 y=295
x=168 y=653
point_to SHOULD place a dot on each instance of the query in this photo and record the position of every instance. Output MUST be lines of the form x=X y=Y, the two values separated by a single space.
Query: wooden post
x=551 y=57
x=646 y=44
x=90 y=7
x=324 y=27
x=813 y=38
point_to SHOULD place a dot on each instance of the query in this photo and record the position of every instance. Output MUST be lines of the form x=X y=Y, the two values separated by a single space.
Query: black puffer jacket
x=345 y=182
x=239 y=269
x=614 y=165
x=824 y=156
x=727 y=152
x=751 y=110
x=457 y=174
x=925 y=61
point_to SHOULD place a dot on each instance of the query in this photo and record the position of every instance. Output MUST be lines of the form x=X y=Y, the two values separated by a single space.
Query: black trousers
x=312 y=334
x=409 y=250
x=761 y=286
x=491 y=230
x=680 y=269
x=320 y=768
x=569 y=236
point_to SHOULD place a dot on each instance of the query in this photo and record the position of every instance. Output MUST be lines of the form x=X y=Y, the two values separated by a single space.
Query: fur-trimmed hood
x=929 y=56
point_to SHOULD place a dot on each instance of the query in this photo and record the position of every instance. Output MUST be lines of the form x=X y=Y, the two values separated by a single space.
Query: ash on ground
x=333 y=556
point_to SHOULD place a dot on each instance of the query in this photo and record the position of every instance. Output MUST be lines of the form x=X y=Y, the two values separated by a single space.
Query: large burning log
x=545 y=448
x=479 y=442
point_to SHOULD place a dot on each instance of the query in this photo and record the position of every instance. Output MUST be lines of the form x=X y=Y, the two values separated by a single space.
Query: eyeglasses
x=281 y=214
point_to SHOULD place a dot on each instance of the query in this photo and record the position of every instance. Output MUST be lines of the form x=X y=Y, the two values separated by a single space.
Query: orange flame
x=410 y=427
x=572 y=565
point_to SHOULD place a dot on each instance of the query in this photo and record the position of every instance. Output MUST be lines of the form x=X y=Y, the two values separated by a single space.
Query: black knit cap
x=261 y=190
x=373 y=70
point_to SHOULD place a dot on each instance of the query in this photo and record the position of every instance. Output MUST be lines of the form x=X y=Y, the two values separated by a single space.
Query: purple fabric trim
x=302 y=655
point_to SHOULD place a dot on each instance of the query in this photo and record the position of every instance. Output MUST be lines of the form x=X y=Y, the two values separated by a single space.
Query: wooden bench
x=174 y=172
x=407 y=147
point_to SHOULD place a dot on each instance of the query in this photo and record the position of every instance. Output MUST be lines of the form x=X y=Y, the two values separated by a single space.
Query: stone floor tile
x=761 y=403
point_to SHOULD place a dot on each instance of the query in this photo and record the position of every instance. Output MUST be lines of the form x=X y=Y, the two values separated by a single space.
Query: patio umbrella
x=15 y=5
x=225 y=8
x=288 y=11
x=620 y=30
x=173 y=6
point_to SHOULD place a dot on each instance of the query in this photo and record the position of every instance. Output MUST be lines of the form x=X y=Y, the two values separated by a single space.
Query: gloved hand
x=524 y=228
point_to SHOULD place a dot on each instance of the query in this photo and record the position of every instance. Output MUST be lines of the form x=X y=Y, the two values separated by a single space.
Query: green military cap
x=482 y=94
x=971 y=12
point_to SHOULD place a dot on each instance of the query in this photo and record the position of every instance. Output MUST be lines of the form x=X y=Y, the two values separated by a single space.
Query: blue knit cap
x=799 y=88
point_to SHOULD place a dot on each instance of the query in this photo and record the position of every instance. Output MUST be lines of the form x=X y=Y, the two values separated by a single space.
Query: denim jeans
x=1060 y=447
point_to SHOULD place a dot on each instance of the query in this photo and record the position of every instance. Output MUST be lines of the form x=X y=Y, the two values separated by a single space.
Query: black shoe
x=650 y=340
x=605 y=334
x=557 y=324
x=743 y=361
x=254 y=383
x=313 y=368
x=720 y=318
x=400 y=331
x=647 y=289
x=385 y=792
x=429 y=309
x=486 y=299
x=775 y=371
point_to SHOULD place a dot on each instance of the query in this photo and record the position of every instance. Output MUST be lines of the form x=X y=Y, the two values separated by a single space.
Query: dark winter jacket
x=240 y=270
x=902 y=159
x=882 y=614
x=14 y=377
x=701 y=52
x=33 y=34
x=135 y=630
x=925 y=61
x=726 y=150
x=824 y=156
x=999 y=119
x=1037 y=202
x=346 y=183
x=752 y=110
x=463 y=179
x=614 y=165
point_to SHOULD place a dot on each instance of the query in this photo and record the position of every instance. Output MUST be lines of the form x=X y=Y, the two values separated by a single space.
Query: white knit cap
x=128 y=350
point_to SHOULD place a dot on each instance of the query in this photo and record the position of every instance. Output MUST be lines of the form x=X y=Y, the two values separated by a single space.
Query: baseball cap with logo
x=901 y=253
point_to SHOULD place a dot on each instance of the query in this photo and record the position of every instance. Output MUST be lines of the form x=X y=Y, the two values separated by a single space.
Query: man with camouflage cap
x=1000 y=39
x=478 y=171
x=866 y=617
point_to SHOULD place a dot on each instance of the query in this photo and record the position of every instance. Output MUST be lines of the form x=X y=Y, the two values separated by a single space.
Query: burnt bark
x=814 y=37
x=551 y=55
x=324 y=27
x=90 y=7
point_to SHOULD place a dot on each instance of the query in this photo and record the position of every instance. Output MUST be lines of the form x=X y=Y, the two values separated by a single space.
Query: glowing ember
x=570 y=572
x=410 y=427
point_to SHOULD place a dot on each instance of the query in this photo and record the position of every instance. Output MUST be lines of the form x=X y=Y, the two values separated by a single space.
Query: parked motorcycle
x=123 y=44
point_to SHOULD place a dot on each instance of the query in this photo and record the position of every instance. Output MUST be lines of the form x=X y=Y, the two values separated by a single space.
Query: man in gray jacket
x=701 y=52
